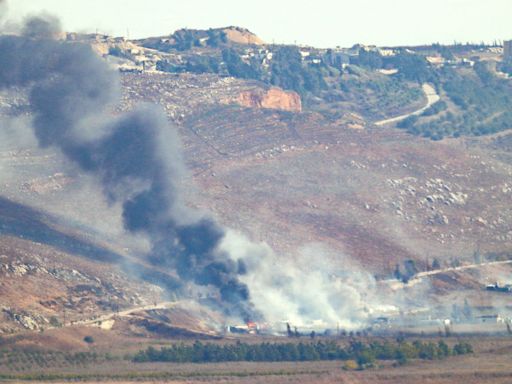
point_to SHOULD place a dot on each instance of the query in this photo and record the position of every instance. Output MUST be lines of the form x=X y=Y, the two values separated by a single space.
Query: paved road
x=432 y=98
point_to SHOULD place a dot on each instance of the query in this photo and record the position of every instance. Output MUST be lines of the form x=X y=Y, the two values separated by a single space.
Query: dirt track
x=432 y=98
x=110 y=316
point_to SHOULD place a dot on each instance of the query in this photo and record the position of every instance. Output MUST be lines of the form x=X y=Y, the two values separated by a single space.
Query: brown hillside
x=242 y=36
x=379 y=195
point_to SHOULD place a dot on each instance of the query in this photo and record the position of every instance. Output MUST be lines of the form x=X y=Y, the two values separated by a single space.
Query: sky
x=320 y=23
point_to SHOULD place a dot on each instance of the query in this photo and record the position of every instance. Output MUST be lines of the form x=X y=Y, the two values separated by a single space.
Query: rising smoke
x=308 y=289
x=136 y=156
x=137 y=159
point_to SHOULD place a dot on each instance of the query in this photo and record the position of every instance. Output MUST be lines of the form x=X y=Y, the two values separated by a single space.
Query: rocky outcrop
x=274 y=98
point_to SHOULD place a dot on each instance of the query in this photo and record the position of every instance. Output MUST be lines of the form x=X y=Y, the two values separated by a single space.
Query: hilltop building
x=507 y=50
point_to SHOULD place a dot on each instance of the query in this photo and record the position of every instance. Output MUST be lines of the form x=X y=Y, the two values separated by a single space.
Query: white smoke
x=315 y=288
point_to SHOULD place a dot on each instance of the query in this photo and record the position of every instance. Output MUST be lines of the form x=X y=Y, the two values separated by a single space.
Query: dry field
x=107 y=362
x=480 y=368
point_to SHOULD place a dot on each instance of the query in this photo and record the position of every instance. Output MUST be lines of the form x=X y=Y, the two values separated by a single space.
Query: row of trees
x=364 y=353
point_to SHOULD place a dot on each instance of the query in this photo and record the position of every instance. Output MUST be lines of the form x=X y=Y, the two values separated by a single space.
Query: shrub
x=350 y=365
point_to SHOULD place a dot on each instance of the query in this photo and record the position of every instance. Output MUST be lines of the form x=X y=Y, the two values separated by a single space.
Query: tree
x=412 y=67
x=365 y=359
x=397 y=273
x=216 y=37
x=202 y=64
x=288 y=72
x=236 y=66
x=289 y=330
x=436 y=264
x=369 y=59
x=443 y=349
x=54 y=322
x=410 y=268
x=467 y=310
x=456 y=312
x=484 y=72
x=462 y=349
x=166 y=66
x=89 y=339
x=477 y=256
x=401 y=358
x=184 y=39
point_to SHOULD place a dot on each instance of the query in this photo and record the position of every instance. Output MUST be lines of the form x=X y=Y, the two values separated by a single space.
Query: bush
x=237 y=67
x=462 y=349
x=288 y=72
x=202 y=64
x=54 y=322
x=434 y=109
x=365 y=359
x=116 y=51
x=350 y=365
x=413 y=67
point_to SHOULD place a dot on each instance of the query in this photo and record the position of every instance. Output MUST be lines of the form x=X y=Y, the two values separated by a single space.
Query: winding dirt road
x=397 y=284
x=103 y=320
x=432 y=98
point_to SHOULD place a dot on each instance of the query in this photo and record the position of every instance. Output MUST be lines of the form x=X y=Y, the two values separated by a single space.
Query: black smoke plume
x=136 y=156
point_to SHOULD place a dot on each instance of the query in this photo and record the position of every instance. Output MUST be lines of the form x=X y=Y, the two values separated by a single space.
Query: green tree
x=236 y=67
x=443 y=349
x=467 y=310
x=288 y=72
x=413 y=67
x=216 y=38
x=369 y=59
x=184 y=40
x=202 y=64
x=365 y=359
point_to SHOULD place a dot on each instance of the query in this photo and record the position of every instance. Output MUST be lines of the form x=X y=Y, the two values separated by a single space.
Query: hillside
x=435 y=194
x=280 y=147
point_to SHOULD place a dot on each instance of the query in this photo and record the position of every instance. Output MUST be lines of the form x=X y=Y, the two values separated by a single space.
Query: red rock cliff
x=274 y=98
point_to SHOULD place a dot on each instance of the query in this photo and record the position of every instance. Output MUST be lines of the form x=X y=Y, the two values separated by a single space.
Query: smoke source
x=136 y=156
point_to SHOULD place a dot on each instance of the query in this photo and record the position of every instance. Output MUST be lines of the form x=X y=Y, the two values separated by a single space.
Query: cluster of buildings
x=147 y=59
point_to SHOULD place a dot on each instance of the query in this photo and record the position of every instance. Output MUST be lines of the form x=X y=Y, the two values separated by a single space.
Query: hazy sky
x=315 y=22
